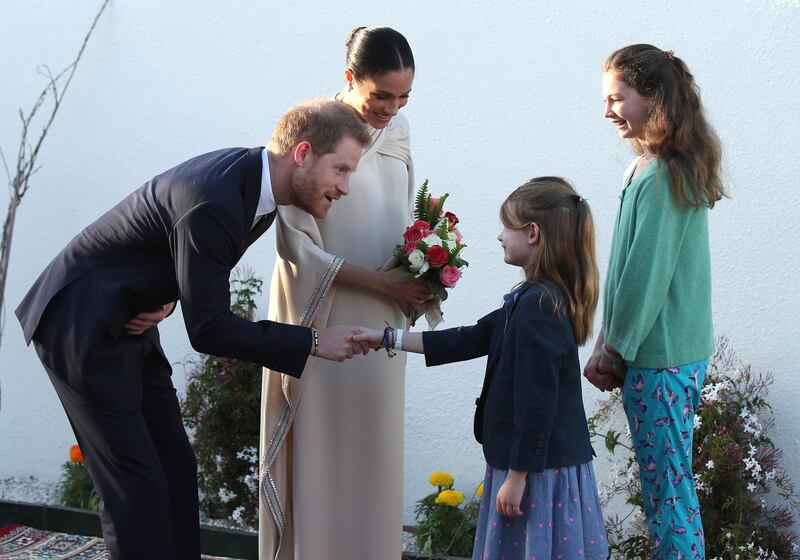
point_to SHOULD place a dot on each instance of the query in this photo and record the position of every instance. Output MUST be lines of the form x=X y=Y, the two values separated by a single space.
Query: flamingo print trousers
x=660 y=406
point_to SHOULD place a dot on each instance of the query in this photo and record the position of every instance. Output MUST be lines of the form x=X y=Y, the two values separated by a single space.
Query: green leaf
x=421 y=202
x=612 y=440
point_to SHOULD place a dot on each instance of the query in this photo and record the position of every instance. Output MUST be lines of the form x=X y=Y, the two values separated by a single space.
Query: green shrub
x=222 y=412
x=75 y=487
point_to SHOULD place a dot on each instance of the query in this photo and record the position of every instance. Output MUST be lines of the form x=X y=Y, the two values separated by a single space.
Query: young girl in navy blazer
x=540 y=497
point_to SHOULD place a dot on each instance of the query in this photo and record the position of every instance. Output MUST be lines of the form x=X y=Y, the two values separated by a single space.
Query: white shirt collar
x=266 y=200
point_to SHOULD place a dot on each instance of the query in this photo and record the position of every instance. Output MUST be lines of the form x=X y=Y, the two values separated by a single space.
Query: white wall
x=502 y=94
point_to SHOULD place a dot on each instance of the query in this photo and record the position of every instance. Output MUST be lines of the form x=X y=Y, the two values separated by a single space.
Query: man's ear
x=302 y=151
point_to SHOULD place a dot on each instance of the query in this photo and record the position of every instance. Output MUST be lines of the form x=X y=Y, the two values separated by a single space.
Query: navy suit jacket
x=176 y=238
x=530 y=414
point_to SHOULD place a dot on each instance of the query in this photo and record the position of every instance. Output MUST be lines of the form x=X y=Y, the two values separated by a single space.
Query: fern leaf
x=421 y=202
x=437 y=210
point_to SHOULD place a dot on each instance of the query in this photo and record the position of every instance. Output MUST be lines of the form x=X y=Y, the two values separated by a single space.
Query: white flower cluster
x=250 y=455
x=237 y=515
x=711 y=392
x=699 y=485
x=752 y=465
x=226 y=495
x=746 y=551
x=751 y=424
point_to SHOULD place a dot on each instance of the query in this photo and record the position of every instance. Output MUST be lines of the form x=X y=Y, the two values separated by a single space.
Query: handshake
x=341 y=342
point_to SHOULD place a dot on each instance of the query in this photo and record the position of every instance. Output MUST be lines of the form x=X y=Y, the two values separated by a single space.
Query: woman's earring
x=350 y=86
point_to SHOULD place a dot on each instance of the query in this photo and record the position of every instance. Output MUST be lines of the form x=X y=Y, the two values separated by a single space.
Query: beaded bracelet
x=388 y=341
x=315 y=335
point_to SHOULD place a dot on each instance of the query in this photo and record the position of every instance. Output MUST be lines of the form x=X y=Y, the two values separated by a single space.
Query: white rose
x=416 y=260
x=423 y=269
x=432 y=240
x=451 y=238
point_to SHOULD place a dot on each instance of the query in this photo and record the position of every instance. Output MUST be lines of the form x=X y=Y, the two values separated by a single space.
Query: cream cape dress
x=331 y=484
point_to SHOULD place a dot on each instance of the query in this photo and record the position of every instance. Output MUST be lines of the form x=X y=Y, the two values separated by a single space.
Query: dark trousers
x=118 y=395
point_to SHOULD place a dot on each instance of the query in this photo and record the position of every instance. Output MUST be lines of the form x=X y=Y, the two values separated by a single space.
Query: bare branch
x=8 y=172
x=26 y=164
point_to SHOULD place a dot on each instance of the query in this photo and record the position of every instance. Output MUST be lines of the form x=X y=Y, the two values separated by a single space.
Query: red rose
x=409 y=248
x=413 y=235
x=449 y=276
x=418 y=230
x=452 y=220
x=437 y=256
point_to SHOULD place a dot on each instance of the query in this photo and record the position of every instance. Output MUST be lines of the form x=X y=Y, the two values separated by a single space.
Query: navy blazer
x=176 y=238
x=530 y=414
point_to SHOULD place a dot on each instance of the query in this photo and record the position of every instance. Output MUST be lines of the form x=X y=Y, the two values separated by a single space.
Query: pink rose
x=437 y=256
x=449 y=276
x=458 y=235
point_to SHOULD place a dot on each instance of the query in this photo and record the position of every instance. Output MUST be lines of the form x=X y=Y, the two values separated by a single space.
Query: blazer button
x=540 y=444
x=538 y=452
x=541 y=436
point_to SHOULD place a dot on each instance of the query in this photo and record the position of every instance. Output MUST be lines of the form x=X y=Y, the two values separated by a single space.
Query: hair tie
x=669 y=54
x=388 y=340
x=579 y=198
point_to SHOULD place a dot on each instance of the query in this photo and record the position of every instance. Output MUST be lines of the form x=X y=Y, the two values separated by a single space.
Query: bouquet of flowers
x=431 y=249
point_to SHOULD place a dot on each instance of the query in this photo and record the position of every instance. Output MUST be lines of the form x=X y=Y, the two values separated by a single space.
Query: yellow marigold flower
x=75 y=454
x=452 y=498
x=441 y=479
x=479 y=490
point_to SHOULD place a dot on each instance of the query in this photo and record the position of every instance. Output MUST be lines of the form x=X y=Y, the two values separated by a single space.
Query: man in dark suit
x=92 y=311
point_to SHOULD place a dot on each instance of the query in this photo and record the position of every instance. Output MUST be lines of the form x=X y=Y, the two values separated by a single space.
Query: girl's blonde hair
x=566 y=256
x=676 y=129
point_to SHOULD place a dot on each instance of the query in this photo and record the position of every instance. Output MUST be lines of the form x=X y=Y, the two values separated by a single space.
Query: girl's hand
x=509 y=496
x=603 y=373
x=373 y=338
x=409 y=292
x=603 y=380
x=615 y=371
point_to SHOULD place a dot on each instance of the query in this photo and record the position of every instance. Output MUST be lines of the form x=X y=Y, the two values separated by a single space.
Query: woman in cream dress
x=331 y=467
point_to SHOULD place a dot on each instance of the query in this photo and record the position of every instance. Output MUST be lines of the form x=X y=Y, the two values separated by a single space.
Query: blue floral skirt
x=561 y=518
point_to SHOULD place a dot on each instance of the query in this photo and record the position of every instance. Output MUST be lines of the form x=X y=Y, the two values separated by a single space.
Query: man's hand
x=147 y=319
x=509 y=496
x=338 y=343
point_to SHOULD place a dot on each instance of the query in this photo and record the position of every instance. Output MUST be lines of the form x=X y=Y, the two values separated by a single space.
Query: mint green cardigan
x=657 y=308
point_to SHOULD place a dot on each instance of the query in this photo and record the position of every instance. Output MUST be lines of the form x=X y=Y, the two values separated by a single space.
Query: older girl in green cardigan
x=657 y=332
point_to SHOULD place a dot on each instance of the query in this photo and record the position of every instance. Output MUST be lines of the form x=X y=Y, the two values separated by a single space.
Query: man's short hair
x=321 y=122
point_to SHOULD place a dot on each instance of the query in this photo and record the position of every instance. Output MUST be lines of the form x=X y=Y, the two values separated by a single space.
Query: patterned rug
x=18 y=542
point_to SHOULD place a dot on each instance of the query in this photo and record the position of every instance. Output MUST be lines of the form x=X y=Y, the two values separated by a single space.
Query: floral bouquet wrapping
x=431 y=250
